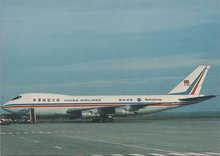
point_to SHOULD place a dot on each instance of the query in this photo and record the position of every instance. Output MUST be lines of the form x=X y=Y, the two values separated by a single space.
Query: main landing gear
x=108 y=119
x=33 y=118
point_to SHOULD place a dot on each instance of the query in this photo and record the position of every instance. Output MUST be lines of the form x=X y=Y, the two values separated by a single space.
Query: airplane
x=104 y=108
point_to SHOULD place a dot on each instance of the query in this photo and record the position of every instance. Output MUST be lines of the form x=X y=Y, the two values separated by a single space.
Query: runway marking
x=212 y=153
x=117 y=143
x=176 y=154
x=142 y=147
x=43 y=132
x=156 y=154
x=65 y=133
x=57 y=147
x=195 y=154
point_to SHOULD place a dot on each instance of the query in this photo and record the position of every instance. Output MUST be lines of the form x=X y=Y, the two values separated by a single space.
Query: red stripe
x=71 y=106
x=51 y=106
x=194 y=90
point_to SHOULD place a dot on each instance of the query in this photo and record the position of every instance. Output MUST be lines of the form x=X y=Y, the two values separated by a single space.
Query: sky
x=117 y=47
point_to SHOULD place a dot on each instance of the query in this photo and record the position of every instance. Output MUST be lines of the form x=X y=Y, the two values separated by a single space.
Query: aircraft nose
x=3 y=106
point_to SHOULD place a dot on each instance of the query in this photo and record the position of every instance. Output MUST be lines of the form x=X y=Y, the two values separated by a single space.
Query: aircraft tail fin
x=192 y=84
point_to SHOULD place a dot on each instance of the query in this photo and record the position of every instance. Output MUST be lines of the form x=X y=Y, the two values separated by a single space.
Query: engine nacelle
x=123 y=112
x=92 y=113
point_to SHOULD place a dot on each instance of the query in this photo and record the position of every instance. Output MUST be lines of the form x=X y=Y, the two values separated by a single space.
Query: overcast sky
x=96 y=47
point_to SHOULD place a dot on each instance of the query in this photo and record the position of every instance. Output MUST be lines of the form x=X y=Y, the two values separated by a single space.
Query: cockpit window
x=18 y=97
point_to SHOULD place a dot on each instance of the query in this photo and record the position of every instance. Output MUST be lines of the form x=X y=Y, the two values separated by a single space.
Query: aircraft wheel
x=111 y=120
x=96 y=120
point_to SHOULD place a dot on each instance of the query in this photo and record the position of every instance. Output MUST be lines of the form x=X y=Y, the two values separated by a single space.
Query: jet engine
x=123 y=112
x=92 y=113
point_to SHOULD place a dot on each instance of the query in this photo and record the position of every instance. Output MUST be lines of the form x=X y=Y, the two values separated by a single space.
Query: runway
x=151 y=137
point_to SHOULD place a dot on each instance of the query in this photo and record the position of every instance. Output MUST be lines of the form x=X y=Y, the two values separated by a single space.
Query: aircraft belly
x=153 y=109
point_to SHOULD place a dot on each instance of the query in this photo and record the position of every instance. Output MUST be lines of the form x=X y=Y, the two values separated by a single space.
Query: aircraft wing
x=198 y=99
x=105 y=110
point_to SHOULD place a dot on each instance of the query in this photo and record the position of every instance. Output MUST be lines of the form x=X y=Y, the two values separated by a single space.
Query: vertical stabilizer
x=192 y=84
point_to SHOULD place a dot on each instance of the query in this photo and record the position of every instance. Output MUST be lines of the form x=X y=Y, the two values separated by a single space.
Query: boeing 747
x=104 y=108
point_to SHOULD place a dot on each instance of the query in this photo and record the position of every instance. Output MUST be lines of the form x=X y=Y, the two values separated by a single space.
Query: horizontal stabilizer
x=198 y=99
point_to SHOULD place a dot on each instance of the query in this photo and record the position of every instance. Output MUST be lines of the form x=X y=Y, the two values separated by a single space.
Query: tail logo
x=186 y=83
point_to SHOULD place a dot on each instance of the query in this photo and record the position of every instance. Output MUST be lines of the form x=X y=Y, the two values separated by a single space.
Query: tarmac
x=151 y=137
